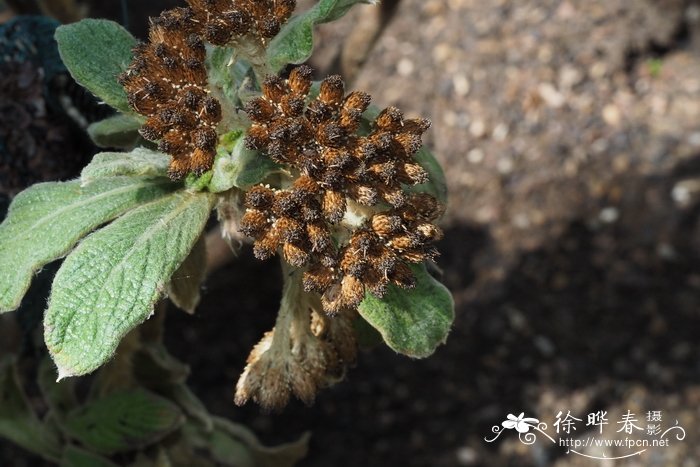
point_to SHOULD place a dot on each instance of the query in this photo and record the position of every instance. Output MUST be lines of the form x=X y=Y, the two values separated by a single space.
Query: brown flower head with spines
x=337 y=170
x=167 y=80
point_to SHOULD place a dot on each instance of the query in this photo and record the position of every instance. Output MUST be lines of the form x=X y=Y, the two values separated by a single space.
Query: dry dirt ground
x=570 y=135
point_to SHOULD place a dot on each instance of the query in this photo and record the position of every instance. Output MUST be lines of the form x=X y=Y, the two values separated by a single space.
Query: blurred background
x=569 y=131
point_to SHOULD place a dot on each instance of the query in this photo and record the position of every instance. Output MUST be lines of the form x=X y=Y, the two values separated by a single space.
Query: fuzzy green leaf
x=226 y=74
x=45 y=222
x=295 y=42
x=123 y=421
x=140 y=161
x=76 y=457
x=111 y=281
x=18 y=422
x=96 y=52
x=412 y=322
x=184 y=285
x=283 y=455
x=119 y=131
x=240 y=167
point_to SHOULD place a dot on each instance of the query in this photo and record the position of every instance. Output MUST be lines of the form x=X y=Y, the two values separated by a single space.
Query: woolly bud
x=364 y=194
x=402 y=276
x=411 y=173
x=332 y=90
x=429 y=232
x=318 y=278
x=290 y=230
x=266 y=246
x=352 y=291
x=295 y=255
x=274 y=88
x=389 y=119
x=259 y=197
x=333 y=206
x=253 y=223
x=300 y=79
x=386 y=225
x=357 y=100
x=320 y=236
x=332 y=299
x=284 y=9
x=260 y=110
x=353 y=262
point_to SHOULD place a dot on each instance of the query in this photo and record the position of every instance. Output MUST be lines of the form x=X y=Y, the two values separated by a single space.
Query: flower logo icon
x=520 y=423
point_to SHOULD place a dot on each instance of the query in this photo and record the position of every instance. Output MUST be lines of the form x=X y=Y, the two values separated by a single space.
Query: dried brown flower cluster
x=223 y=20
x=339 y=175
x=167 y=79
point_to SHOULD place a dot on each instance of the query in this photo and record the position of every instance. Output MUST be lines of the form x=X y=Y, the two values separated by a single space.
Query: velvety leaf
x=414 y=321
x=283 y=455
x=124 y=421
x=226 y=74
x=186 y=282
x=45 y=222
x=76 y=457
x=155 y=368
x=96 y=52
x=140 y=161
x=295 y=42
x=119 y=131
x=110 y=282
x=240 y=167
x=190 y=404
x=18 y=422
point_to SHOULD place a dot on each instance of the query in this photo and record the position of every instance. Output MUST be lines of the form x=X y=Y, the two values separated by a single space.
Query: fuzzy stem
x=293 y=319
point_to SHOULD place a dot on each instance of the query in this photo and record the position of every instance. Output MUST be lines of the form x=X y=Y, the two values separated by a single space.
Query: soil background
x=570 y=135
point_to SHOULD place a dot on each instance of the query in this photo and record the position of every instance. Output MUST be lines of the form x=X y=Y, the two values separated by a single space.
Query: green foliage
x=119 y=131
x=238 y=167
x=183 y=289
x=76 y=457
x=47 y=220
x=294 y=44
x=96 y=52
x=110 y=283
x=123 y=421
x=18 y=422
x=412 y=322
x=139 y=162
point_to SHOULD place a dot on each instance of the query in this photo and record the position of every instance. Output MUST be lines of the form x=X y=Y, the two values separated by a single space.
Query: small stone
x=500 y=133
x=609 y=215
x=405 y=67
x=477 y=128
x=475 y=156
x=551 y=96
x=461 y=85
x=612 y=115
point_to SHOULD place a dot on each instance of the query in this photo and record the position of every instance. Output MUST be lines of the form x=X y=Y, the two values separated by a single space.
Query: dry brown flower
x=167 y=79
x=338 y=174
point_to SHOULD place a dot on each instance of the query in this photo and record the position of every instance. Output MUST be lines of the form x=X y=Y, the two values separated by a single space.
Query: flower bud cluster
x=336 y=170
x=167 y=80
